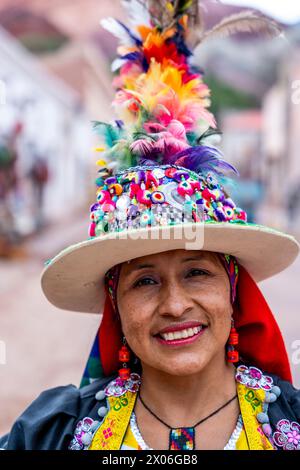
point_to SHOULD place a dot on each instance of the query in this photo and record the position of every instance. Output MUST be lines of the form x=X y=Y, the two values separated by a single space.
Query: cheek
x=135 y=318
x=218 y=306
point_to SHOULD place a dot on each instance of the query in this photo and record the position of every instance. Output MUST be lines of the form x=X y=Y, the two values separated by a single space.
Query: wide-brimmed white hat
x=182 y=211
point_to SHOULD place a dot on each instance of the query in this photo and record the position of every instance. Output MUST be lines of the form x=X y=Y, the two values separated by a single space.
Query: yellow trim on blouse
x=251 y=403
x=115 y=429
x=110 y=435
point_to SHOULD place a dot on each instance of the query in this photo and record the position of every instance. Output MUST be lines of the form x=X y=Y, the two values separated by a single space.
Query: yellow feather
x=170 y=7
x=101 y=163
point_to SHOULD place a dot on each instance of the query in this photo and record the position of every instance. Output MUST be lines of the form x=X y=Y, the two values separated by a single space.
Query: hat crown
x=160 y=195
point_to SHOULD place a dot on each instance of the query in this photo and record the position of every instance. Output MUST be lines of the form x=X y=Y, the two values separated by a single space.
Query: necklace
x=183 y=438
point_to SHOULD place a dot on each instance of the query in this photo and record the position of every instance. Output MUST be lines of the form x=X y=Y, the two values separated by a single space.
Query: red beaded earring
x=233 y=340
x=124 y=357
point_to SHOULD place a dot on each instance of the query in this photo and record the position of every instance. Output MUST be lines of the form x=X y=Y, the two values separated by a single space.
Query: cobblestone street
x=46 y=347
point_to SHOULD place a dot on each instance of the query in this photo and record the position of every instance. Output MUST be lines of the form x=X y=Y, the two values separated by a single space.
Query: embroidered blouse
x=119 y=428
x=101 y=416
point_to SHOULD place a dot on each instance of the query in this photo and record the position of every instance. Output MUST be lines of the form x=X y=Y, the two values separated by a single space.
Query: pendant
x=182 y=439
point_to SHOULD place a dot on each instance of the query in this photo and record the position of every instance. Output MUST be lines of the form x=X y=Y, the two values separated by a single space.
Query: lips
x=180 y=334
x=181 y=326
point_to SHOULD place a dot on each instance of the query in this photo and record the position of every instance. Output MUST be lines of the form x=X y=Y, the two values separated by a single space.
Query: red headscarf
x=260 y=340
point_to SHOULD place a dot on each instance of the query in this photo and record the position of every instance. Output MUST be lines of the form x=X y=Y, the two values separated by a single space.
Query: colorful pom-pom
x=92 y=228
x=157 y=197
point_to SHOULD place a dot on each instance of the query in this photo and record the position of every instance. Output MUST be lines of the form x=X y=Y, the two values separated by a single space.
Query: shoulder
x=49 y=421
x=288 y=403
x=281 y=396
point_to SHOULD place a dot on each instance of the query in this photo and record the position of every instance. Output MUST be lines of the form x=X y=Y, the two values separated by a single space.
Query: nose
x=174 y=300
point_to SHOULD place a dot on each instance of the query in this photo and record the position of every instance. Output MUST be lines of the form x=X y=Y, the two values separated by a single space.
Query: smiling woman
x=179 y=336
x=188 y=354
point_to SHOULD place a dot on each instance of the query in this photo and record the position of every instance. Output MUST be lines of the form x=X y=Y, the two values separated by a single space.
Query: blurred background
x=54 y=79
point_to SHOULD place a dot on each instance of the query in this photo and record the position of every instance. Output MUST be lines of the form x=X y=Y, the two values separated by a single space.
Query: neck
x=213 y=386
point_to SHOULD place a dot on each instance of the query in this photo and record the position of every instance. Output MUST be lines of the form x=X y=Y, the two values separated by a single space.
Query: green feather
x=121 y=153
x=192 y=138
x=184 y=5
x=109 y=133
x=141 y=135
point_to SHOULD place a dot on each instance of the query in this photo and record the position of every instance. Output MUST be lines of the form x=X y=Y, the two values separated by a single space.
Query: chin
x=185 y=366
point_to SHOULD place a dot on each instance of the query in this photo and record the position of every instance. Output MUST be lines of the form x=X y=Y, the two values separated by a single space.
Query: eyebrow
x=142 y=266
x=194 y=258
x=145 y=265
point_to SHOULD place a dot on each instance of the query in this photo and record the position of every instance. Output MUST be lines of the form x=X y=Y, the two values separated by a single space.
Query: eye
x=144 y=282
x=197 y=272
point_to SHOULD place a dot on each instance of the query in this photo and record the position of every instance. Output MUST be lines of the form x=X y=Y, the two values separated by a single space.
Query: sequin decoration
x=253 y=378
x=83 y=434
x=118 y=387
x=166 y=195
x=287 y=435
x=182 y=439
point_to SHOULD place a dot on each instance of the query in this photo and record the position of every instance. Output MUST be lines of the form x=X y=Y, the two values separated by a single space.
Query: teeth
x=181 y=334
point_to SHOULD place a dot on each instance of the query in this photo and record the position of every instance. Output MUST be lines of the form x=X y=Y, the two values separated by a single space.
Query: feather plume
x=162 y=100
x=166 y=12
x=120 y=31
x=137 y=12
x=244 y=22
x=110 y=134
x=202 y=159
x=141 y=146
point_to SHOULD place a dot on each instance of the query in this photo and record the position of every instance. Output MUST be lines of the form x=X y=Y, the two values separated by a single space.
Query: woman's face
x=175 y=309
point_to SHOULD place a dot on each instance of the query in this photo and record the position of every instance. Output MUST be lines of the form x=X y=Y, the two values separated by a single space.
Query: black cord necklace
x=183 y=438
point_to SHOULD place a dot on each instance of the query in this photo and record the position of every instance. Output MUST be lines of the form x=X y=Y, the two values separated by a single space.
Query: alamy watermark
x=163 y=223
x=192 y=234
x=2 y=353
x=296 y=92
x=296 y=353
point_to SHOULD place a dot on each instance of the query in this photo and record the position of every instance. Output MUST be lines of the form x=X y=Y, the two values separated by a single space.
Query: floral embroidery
x=253 y=378
x=287 y=435
x=83 y=433
x=252 y=399
x=107 y=433
x=118 y=387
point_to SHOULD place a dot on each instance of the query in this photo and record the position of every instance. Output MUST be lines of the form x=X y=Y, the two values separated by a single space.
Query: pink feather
x=153 y=127
x=141 y=146
x=169 y=145
x=177 y=129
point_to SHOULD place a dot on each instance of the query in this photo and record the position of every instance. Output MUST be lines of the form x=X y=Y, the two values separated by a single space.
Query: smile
x=181 y=336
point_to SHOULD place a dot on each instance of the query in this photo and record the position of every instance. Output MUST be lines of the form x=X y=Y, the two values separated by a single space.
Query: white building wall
x=54 y=126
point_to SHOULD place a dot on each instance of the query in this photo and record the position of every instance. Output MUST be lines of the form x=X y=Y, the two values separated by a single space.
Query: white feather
x=112 y=164
x=111 y=25
x=137 y=12
x=116 y=64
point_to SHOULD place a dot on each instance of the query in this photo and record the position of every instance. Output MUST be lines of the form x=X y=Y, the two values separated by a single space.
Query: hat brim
x=74 y=279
